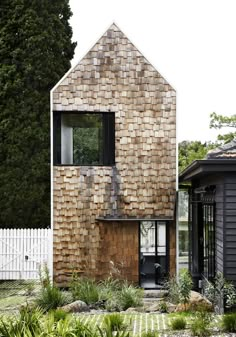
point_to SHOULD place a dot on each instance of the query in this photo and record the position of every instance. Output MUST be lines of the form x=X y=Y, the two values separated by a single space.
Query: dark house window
x=84 y=138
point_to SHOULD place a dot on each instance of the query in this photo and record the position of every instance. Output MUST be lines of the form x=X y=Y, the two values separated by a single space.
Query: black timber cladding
x=230 y=226
x=222 y=174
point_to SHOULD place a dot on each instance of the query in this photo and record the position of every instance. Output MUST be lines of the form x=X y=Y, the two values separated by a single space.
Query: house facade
x=114 y=166
x=212 y=216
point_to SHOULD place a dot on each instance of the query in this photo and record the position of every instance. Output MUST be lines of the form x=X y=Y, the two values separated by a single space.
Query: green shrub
x=113 y=303
x=130 y=296
x=200 y=325
x=114 y=321
x=68 y=297
x=84 y=330
x=59 y=314
x=107 y=332
x=220 y=290
x=163 y=308
x=53 y=327
x=111 y=284
x=85 y=289
x=150 y=333
x=179 y=290
x=50 y=297
x=173 y=290
x=228 y=322
x=31 y=318
x=185 y=285
x=178 y=323
x=27 y=324
x=108 y=287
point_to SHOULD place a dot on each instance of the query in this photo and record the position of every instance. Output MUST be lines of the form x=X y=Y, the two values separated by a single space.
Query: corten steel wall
x=114 y=76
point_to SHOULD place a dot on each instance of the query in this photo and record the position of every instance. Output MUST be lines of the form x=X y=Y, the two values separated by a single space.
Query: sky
x=192 y=43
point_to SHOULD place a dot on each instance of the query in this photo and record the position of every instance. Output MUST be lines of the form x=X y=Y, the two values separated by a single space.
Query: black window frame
x=108 y=139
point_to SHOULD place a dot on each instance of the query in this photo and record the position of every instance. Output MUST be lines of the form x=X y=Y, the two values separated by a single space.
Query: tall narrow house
x=114 y=166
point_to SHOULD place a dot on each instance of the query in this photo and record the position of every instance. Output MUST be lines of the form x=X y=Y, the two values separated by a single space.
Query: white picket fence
x=23 y=252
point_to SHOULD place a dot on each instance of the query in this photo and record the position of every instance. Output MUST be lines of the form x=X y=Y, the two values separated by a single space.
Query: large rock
x=77 y=306
x=160 y=306
x=196 y=302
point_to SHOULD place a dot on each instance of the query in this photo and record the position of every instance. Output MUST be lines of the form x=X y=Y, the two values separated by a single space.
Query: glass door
x=153 y=253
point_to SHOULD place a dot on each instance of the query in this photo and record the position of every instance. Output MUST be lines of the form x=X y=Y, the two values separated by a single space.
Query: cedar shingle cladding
x=114 y=76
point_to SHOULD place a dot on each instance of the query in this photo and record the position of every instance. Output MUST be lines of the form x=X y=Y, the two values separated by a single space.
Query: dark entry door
x=153 y=253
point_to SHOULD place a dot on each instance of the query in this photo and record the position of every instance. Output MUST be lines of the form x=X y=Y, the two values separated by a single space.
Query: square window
x=84 y=138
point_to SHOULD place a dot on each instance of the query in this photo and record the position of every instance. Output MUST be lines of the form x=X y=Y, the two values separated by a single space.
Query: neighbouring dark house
x=114 y=166
x=212 y=214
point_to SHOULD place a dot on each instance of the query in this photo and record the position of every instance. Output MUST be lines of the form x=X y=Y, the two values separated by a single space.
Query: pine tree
x=35 y=52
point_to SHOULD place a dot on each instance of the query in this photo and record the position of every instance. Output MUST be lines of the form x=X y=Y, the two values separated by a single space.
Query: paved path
x=141 y=322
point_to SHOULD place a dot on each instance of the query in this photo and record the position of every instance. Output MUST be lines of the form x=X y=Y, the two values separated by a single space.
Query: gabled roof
x=108 y=52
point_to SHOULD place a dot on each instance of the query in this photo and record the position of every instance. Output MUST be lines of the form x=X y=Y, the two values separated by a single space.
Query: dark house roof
x=221 y=159
x=225 y=151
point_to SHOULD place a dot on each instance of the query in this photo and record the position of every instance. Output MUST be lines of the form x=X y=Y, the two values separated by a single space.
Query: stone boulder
x=77 y=306
x=158 y=306
x=196 y=302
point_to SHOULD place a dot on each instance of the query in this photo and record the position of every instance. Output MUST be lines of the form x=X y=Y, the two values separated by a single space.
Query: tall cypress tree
x=35 y=52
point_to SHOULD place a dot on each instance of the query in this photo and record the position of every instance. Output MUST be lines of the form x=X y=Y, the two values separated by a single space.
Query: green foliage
x=108 y=287
x=220 y=289
x=150 y=333
x=130 y=296
x=228 y=322
x=125 y=297
x=59 y=314
x=119 y=295
x=163 y=307
x=108 y=332
x=185 y=285
x=113 y=303
x=219 y=122
x=200 y=325
x=29 y=288
x=50 y=296
x=85 y=289
x=173 y=290
x=178 y=323
x=31 y=318
x=27 y=324
x=115 y=294
x=192 y=150
x=179 y=290
x=54 y=324
x=35 y=52
x=84 y=330
x=115 y=322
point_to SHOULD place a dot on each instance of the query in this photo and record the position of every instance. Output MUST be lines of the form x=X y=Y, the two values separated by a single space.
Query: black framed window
x=84 y=138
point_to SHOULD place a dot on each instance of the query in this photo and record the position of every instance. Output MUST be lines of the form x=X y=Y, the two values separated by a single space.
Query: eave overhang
x=200 y=168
